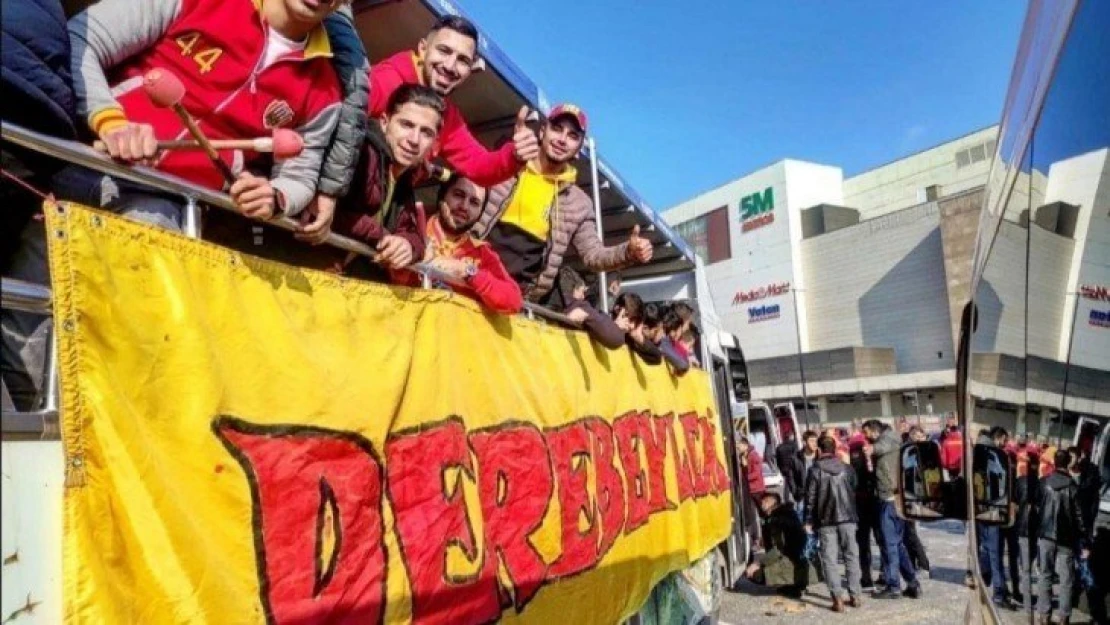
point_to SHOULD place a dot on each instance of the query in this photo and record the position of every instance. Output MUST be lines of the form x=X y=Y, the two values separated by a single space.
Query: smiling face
x=448 y=59
x=561 y=140
x=461 y=205
x=410 y=132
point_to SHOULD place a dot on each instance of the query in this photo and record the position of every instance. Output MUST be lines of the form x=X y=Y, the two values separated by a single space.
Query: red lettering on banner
x=654 y=431
x=431 y=519
x=569 y=447
x=664 y=425
x=627 y=432
x=515 y=486
x=713 y=467
x=610 y=487
x=317 y=518
x=318 y=498
x=692 y=433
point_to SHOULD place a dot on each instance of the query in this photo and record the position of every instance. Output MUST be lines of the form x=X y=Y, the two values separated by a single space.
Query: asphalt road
x=943 y=602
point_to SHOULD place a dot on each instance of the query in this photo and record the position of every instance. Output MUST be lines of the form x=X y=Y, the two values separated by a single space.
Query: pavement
x=943 y=601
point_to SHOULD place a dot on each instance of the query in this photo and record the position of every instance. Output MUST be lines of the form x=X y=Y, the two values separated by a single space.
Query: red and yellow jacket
x=456 y=145
x=491 y=284
x=215 y=47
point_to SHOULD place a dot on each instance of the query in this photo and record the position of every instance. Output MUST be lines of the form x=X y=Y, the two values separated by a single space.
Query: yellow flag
x=247 y=442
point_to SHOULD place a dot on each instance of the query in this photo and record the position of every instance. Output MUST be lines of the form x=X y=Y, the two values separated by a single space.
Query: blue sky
x=686 y=96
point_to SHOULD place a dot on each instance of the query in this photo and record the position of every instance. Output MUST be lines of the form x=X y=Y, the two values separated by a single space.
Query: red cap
x=571 y=110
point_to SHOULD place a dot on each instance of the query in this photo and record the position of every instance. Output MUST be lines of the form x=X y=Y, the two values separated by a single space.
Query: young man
x=751 y=466
x=1026 y=494
x=1061 y=532
x=469 y=265
x=831 y=512
x=916 y=548
x=535 y=218
x=443 y=60
x=655 y=346
x=990 y=536
x=382 y=210
x=790 y=464
x=867 y=509
x=783 y=565
x=570 y=296
x=271 y=70
x=884 y=457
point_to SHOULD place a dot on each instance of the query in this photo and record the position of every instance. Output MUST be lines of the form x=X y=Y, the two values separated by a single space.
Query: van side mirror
x=921 y=482
x=992 y=483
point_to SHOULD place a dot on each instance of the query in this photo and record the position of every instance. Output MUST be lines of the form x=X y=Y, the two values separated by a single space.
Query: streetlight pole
x=1067 y=369
x=801 y=363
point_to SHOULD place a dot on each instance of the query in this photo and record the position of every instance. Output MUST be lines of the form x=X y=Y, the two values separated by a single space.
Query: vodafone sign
x=771 y=290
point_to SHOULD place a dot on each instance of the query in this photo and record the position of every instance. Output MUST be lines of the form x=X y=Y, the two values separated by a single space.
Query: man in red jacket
x=470 y=266
x=272 y=69
x=443 y=60
x=952 y=451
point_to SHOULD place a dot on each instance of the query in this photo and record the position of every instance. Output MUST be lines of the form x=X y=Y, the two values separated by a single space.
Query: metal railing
x=27 y=297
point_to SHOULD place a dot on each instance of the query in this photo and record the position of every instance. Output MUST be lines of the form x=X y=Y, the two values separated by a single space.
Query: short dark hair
x=419 y=95
x=672 y=320
x=458 y=24
x=652 y=317
x=915 y=429
x=683 y=310
x=631 y=304
x=446 y=186
x=873 y=424
x=999 y=431
x=826 y=445
x=808 y=435
x=1063 y=459
x=770 y=494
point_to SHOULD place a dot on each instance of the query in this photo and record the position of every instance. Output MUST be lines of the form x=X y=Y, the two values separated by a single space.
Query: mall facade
x=849 y=290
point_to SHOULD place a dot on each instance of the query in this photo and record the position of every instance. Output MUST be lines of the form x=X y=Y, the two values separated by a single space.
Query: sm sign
x=757 y=210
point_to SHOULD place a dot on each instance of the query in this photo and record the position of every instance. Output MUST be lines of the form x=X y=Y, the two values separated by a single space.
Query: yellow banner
x=247 y=442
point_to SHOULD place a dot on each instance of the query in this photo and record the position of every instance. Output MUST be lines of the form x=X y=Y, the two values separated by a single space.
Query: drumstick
x=165 y=90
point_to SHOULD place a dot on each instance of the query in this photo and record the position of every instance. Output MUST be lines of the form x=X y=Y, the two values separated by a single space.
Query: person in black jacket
x=867 y=510
x=1061 y=531
x=1026 y=490
x=831 y=510
x=783 y=564
x=790 y=465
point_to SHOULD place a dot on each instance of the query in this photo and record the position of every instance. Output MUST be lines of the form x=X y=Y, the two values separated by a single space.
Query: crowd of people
x=1056 y=492
x=834 y=503
x=374 y=137
x=839 y=493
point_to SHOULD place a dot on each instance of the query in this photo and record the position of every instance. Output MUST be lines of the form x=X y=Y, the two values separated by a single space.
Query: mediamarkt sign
x=757 y=210
x=771 y=290
x=1098 y=293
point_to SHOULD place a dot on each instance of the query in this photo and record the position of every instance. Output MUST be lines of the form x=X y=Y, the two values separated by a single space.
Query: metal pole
x=801 y=364
x=50 y=401
x=1067 y=370
x=603 y=282
x=191 y=218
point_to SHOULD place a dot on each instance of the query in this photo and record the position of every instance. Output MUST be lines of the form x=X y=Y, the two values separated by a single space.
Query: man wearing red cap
x=534 y=218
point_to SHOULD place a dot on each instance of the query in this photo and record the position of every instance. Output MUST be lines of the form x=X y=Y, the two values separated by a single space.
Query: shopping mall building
x=849 y=290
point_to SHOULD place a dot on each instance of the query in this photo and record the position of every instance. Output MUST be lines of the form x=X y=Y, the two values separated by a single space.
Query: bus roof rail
x=80 y=154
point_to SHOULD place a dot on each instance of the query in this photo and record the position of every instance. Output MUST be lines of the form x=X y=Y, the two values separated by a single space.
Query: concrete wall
x=881 y=284
x=959 y=224
x=901 y=184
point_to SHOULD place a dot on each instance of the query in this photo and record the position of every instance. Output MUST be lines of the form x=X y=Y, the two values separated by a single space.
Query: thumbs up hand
x=526 y=145
x=639 y=248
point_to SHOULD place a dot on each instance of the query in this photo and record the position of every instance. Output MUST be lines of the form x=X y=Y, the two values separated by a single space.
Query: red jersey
x=456 y=144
